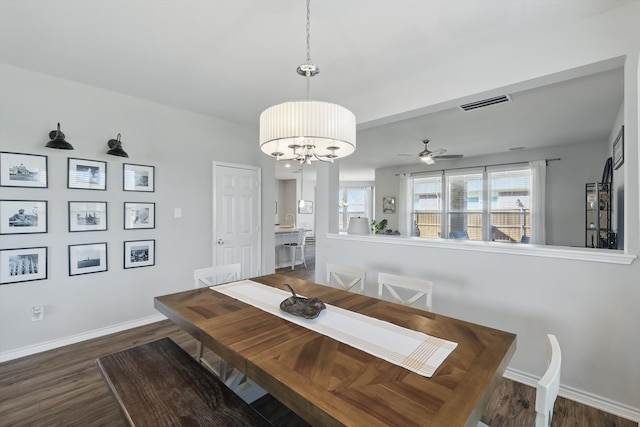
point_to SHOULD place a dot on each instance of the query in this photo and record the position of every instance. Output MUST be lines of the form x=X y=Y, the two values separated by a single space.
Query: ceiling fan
x=429 y=156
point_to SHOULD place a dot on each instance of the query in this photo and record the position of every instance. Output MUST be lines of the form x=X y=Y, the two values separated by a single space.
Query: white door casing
x=237 y=217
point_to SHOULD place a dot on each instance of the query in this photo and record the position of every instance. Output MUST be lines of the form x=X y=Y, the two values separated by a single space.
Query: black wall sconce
x=57 y=140
x=116 y=148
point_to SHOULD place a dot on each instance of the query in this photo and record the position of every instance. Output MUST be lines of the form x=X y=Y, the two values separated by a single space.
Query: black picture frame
x=138 y=177
x=85 y=174
x=618 y=150
x=23 y=264
x=139 y=215
x=87 y=216
x=88 y=258
x=23 y=170
x=607 y=172
x=139 y=253
x=23 y=216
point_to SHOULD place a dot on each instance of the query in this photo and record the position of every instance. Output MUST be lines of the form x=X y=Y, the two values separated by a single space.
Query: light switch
x=177 y=213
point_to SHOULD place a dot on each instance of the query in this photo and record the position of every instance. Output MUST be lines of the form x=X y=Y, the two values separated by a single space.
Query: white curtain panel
x=538 y=205
x=404 y=205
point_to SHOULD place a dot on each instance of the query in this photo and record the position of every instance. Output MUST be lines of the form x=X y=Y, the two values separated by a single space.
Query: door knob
x=220 y=242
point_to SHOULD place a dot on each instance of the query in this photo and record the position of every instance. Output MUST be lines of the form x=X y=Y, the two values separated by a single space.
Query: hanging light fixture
x=307 y=130
x=116 y=147
x=57 y=140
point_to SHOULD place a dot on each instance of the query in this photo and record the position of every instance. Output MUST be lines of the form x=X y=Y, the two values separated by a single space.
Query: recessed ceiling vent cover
x=485 y=102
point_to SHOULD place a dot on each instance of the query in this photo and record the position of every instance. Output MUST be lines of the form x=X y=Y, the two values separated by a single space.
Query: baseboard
x=73 y=339
x=589 y=399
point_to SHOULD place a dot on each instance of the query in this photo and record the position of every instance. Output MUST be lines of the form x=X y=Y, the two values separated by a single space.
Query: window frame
x=486 y=210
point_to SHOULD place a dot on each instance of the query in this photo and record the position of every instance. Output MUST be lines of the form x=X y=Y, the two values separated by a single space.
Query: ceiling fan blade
x=449 y=156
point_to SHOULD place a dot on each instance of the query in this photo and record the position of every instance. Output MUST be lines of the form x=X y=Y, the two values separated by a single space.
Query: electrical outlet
x=37 y=313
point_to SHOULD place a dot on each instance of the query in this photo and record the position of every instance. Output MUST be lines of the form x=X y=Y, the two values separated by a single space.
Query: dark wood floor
x=63 y=387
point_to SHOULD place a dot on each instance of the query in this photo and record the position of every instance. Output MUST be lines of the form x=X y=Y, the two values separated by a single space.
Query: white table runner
x=404 y=347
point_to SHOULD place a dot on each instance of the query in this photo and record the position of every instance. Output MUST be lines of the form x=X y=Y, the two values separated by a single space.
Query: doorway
x=236 y=217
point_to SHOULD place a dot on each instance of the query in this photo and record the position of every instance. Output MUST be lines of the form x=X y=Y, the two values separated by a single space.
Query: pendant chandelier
x=307 y=130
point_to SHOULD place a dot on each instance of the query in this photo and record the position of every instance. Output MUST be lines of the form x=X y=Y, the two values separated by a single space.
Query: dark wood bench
x=159 y=384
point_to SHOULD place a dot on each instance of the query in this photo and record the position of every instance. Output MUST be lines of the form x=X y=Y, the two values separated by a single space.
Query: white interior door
x=236 y=217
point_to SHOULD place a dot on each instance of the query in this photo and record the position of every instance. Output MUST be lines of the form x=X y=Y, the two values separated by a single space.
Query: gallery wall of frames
x=24 y=215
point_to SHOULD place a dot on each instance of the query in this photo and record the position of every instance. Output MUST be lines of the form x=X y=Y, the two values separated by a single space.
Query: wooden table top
x=333 y=384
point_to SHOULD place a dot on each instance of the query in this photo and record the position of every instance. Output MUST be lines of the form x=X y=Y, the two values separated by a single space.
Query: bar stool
x=293 y=248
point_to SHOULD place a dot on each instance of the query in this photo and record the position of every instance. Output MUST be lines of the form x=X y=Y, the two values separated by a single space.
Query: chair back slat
x=419 y=288
x=346 y=277
x=212 y=276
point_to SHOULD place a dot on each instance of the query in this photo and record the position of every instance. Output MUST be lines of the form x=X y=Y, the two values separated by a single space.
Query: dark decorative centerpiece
x=309 y=308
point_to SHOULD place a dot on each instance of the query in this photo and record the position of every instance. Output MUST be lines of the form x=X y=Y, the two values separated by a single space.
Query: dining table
x=329 y=382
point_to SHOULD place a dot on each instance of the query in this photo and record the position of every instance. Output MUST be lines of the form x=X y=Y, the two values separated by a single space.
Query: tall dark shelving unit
x=598 y=233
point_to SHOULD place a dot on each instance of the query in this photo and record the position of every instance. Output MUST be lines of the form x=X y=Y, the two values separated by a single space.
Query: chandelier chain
x=308 y=31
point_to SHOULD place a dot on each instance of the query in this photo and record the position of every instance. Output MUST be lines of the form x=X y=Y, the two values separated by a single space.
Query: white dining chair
x=419 y=288
x=548 y=387
x=212 y=276
x=295 y=246
x=346 y=277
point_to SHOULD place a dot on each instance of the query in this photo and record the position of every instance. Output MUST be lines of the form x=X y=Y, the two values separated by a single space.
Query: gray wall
x=181 y=146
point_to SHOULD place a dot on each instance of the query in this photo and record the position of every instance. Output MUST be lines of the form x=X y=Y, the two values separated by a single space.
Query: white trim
x=560 y=252
x=73 y=339
x=589 y=399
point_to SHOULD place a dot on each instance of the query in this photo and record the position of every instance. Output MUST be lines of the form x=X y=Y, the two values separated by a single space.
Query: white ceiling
x=234 y=58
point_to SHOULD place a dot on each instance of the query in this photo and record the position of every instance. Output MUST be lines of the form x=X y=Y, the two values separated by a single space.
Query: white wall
x=181 y=146
x=591 y=306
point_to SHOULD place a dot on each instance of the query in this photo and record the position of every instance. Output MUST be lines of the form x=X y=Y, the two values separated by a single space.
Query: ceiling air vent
x=485 y=102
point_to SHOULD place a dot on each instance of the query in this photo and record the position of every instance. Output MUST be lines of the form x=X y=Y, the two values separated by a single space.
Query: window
x=464 y=209
x=353 y=202
x=427 y=205
x=510 y=205
x=474 y=204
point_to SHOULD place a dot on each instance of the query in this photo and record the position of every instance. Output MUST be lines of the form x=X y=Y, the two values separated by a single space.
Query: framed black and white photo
x=23 y=265
x=23 y=216
x=23 y=170
x=305 y=207
x=86 y=174
x=138 y=177
x=139 y=253
x=87 y=258
x=139 y=215
x=618 y=149
x=87 y=216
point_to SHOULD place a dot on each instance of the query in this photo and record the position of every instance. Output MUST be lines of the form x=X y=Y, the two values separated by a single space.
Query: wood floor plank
x=63 y=387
